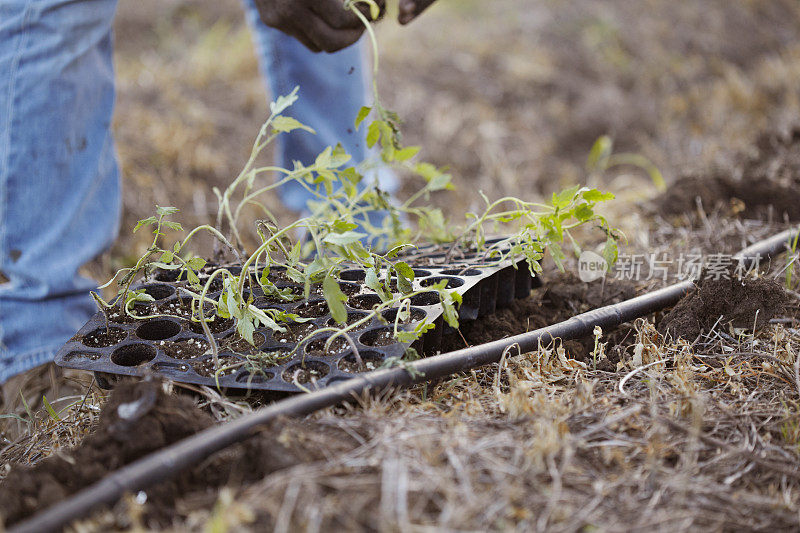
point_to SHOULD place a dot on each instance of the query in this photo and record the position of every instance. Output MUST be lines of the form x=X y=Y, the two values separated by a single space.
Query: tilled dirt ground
x=762 y=183
x=728 y=301
x=138 y=419
x=682 y=421
x=425 y=449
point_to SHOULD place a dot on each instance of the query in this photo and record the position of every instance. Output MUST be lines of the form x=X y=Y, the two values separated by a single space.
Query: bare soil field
x=684 y=420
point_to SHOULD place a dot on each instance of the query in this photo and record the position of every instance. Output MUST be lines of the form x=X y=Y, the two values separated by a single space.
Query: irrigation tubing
x=177 y=457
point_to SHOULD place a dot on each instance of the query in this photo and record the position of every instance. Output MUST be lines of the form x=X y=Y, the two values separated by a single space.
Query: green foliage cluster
x=338 y=233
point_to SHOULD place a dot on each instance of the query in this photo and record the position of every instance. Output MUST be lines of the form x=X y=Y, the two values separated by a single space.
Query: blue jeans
x=59 y=179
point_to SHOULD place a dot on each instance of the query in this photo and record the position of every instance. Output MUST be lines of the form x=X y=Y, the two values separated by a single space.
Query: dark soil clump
x=182 y=307
x=228 y=364
x=752 y=198
x=741 y=304
x=139 y=419
x=217 y=325
x=124 y=318
x=237 y=344
x=350 y=363
x=562 y=296
x=763 y=180
x=314 y=309
x=304 y=373
x=316 y=348
x=104 y=337
x=185 y=349
x=294 y=332
x=381 y=337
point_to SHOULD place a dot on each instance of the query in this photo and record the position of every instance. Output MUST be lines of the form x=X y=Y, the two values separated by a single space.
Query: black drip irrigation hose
x=177 y=457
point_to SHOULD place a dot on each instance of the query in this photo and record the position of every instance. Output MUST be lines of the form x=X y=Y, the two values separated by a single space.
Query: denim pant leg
x=333 y=87
x=59 y=183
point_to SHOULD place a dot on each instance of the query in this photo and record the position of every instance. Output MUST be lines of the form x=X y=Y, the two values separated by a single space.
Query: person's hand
x=321 y=25
x=410 y=9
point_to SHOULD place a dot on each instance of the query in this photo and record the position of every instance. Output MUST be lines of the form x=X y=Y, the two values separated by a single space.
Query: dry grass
x=680 y=438
x=32 y=436
x=707 y=438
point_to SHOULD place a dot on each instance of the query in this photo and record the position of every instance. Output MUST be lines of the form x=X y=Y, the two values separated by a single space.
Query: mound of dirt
x=769 y=179
x=741 y=304
x=139 y=419
x=562 y=296
x=752 y=198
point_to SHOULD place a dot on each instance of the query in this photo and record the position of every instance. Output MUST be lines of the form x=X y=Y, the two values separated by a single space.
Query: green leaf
x=294 y=253
x=27 y=407
x=232 y=298
x=440 y=182
x=335 y=298
x=328 y=179
x=373 y=282
x=246 y=328
x=341 y=225
x=222 y=308
x=15 y=417
x=166 y=211
x=426 y=170
x=558 y=255
x=175 y=226
x=339 y=156
x=50 y=410
x=583 y=212
x=264 y=317
x=264 y=278
x=324 y=159
x=167 y=257
x=144 y=222
x=350 y=175
x=610 y=251
x=564 y=198
x=411 y=336
x=165 y=266
x=406 y=153
x=434 y=226
x=196 y=263
x=138 y=296
x=363 y=113
x=286 y=124
x=449 y=301
x=593 y=195
x=343 y=239
x=599 y=154
x=404 y=284
x=397 y=249
x=373 y=133
x=405 y=275
x=282 y=102
x=296 y=275
x=405 y=270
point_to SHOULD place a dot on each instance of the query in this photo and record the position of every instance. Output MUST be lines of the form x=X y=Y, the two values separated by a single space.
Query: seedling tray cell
x=177 y=349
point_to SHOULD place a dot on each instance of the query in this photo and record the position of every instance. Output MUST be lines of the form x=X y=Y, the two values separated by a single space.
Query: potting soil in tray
x=177 y=349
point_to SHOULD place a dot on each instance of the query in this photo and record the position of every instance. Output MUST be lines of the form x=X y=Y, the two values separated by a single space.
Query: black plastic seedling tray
x=176 y=348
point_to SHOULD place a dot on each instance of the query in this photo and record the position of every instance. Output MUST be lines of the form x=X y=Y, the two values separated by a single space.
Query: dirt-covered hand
x=321 y=25
x=410 y=9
